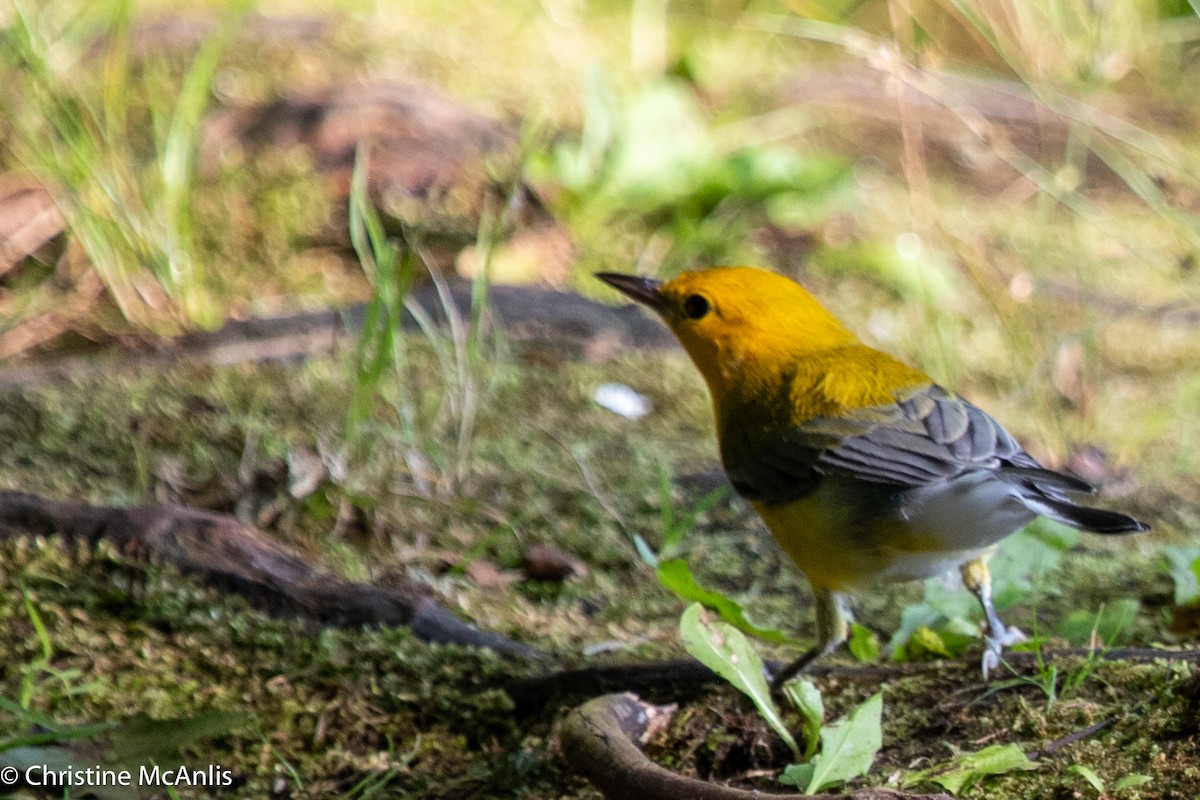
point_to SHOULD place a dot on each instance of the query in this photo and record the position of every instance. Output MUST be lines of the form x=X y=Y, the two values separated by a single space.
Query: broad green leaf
x=863 y=644
x=912 y=618
x=848 y=747
x=946 y=610
x=1024 y=558
x=965 y=769
x=796 y=190
x=1089 y=775
x=141 y=738
x=797 y=774
x=806 y=698
x=723 y=649
x=578 y=165
x=676 y=575
x=926 y=644
x=1131 y=780
x=661 y=146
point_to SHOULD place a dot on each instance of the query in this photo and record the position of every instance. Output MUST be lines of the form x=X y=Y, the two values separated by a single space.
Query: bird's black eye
x=696 y=307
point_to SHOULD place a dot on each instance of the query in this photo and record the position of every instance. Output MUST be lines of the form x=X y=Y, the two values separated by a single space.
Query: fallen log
x=222 y=551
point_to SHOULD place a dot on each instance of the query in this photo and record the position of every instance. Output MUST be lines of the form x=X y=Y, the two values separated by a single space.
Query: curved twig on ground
x=600 y=740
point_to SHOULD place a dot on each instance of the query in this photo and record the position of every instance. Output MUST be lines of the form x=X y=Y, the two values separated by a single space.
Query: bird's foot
x=995 y=643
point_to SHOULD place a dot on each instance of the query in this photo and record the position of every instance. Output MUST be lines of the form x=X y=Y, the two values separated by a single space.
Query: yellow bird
x=863 y=469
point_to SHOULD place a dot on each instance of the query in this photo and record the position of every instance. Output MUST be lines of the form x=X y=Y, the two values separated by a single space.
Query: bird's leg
x=833 y=628
x=978 y=580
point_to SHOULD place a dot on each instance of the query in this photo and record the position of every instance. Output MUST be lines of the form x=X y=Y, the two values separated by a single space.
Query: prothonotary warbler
x=863 y=469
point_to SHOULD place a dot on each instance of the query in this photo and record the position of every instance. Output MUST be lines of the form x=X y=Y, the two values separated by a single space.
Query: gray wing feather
x=931 y=436
x=926 y=440
x=927 y=437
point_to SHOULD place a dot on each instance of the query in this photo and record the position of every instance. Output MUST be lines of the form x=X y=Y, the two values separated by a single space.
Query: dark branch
x=1072 y=738
x=223 y=551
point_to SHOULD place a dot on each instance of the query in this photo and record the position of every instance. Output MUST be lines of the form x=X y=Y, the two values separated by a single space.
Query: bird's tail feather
x=1046 y=492
x=1041 y=479
x=1096 y=520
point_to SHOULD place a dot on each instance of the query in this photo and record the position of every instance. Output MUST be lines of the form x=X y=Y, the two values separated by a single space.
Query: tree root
x=680 y=679
x=600 y=740
x=224 y=552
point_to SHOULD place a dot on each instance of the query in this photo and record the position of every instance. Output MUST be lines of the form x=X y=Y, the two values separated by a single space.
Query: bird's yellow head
x=738 y=323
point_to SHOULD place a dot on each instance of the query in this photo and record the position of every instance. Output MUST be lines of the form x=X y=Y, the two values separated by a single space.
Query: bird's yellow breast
x=845 y=546
x=817 y=536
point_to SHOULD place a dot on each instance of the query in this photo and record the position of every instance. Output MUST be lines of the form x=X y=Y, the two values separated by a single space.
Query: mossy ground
x=337 y=707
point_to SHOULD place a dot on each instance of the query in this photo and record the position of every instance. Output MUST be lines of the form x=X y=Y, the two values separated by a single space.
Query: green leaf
x=806 y=698
x=863 y=644
x=797 y=774
x=965 y=769
x=676 y=575
x=1131 y=780
x=1024 y=558
x=723 y=649
x=141 y=738
x=805 y=186
x=1089 y=775
x=953 y=613
x=949 y=613
x=848 y=747
x=913 y=617
x=926 y=644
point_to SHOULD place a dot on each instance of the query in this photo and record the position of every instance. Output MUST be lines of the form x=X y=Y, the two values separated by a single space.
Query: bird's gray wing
x=927 y=436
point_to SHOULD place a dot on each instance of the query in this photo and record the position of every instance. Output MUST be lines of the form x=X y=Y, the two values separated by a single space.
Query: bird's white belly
x=957 y=520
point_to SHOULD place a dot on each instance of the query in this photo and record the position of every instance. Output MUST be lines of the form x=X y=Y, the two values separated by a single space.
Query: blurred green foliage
x=652 y=157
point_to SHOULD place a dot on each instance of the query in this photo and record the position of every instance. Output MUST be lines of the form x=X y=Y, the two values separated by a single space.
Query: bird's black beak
x=643 y=290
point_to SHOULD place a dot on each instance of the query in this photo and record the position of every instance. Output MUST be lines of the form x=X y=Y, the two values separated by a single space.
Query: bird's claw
x=1003 y=638
x=990 y=660
x=1011 y=636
